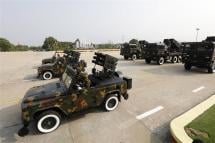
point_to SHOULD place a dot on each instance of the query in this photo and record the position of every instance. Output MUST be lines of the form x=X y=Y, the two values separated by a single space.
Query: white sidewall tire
x=134 y=57
x=175 y=59
x=115 y=106
x=179 y=59
x=47 y=73
x=161 y=61
x=42 y=130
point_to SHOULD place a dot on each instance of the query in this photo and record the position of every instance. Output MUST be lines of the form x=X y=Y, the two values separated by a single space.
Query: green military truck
x=168 y=51
x=56 y=68
x=132 y=50
x=199 y=54
x=47 y=104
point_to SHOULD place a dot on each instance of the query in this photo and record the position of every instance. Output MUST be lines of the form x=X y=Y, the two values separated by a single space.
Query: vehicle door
x=60 y=65
x=81 y=98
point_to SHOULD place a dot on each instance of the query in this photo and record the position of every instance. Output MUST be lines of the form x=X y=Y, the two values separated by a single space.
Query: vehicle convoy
x=75 y=91
x=132 y=50
x=55 y=69
x=199 y=54
x=168 y=51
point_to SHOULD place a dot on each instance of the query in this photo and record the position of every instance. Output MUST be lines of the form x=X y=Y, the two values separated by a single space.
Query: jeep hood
x=49 y=65
x=44 y=92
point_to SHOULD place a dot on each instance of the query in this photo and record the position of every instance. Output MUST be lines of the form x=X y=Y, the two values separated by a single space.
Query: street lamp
x=197 y=33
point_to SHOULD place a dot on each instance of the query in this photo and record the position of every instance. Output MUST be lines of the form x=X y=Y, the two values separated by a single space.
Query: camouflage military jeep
x=56 y=69
x=47 y=104
x=55 y=56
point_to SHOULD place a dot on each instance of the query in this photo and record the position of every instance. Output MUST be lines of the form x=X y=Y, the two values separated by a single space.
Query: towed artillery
x=168 y=51
x=199 y=54
x=74 y=92
x=57 y=67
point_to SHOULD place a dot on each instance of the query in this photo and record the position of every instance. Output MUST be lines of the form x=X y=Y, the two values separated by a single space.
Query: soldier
x=82 y=77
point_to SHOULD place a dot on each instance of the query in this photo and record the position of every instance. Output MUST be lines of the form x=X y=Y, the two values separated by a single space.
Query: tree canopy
x=133 y=41
x=50 y=44
x=5 y=45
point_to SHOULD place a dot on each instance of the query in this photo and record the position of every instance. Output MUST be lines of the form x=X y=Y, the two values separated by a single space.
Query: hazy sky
x=30 y=21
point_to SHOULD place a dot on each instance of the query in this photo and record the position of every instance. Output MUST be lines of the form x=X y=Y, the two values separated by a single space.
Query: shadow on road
x=31 y=77
x=177 y=70
x=10 y=120
x=10 y=123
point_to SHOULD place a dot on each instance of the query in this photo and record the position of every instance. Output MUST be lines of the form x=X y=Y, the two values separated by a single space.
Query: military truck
x=49 y=103
x=199 y=54
x=56 y=69
x=168 y=51
x=132 y=50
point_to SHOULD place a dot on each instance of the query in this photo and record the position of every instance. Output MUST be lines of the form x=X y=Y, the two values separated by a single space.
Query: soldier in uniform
x=82 y=77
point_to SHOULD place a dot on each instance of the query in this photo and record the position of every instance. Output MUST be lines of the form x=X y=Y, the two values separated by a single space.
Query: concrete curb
x=177 y=125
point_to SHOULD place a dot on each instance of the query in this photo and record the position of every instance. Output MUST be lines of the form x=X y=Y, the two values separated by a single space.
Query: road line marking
x=198 y=89
x=150 y=112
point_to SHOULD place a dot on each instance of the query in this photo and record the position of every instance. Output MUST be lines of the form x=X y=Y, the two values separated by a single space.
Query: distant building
x=77 y=43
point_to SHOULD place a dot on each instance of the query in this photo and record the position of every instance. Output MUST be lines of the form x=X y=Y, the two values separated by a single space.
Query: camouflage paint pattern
x=55 y=95
x=57 y=65
x=76 y=91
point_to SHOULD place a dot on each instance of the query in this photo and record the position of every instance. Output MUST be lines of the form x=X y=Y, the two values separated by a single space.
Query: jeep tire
x=48 y=121
x=47 y=75
x=111 y=102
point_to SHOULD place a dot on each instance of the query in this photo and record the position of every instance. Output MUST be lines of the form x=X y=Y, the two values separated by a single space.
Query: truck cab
x=199 y=54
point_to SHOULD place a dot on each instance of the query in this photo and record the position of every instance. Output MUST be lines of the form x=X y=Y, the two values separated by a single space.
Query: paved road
x=159 y=94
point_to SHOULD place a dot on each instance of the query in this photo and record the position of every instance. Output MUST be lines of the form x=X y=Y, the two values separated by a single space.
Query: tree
x=21 y=47
x=50 y=44
x=5 y=45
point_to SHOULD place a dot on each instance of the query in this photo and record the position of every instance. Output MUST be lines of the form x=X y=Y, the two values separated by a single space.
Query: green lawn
x=203 y=127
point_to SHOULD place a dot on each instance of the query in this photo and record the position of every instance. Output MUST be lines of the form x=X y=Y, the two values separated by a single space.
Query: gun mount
x=107 y=62
x=72 y=56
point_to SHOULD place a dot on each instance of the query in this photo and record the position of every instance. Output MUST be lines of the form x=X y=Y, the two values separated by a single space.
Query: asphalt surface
x=159 y=94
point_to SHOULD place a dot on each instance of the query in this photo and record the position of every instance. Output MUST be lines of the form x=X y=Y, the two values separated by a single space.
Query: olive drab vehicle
x=56 y=69
x=132 y=50
x=75 y=91
x=54 y=57
x=168 y=51
x=199 y=54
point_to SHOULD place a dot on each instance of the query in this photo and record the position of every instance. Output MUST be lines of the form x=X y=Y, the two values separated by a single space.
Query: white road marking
x=198 y=89
x=150 y=112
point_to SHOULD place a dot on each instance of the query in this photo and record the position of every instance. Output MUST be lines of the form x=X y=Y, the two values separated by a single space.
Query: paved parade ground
x=159 y=94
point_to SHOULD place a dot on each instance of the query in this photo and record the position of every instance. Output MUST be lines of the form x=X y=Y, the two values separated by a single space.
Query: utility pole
x=197 y=34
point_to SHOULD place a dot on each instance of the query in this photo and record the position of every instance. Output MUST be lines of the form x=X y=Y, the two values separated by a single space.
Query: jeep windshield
x=68 y=76
x=66 y=79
